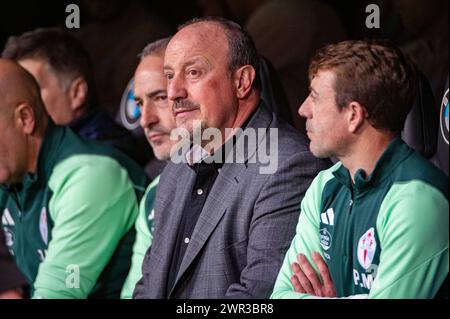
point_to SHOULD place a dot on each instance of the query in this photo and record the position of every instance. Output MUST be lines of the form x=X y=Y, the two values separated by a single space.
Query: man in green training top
x=150 y=94
x=68 y=205
x=375 y=225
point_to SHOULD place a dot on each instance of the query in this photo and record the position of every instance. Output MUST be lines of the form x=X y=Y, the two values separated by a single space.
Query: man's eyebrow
x=312 y=90
x=155 y=93
x=185 y=64
x=190 y=62
x=151 y=94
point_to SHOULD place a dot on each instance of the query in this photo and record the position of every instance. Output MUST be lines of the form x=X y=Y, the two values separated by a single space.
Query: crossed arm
x=414 y=259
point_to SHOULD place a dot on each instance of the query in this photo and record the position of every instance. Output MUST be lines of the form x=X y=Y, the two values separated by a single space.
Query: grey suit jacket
x=245 y=227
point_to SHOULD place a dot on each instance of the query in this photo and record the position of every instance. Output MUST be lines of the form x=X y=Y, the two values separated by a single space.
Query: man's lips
x=183 y=111
x=155 y=136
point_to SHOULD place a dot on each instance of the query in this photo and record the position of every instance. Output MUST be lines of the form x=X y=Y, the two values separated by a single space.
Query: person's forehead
x=324 y=79
x=204 y=32
x=149 y=74
x=151 y=63
x=199 y=40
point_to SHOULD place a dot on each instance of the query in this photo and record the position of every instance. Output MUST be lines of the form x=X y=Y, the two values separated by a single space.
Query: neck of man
x=245 y=109
x=34 y=146
x=78 y=113
x=365 y=152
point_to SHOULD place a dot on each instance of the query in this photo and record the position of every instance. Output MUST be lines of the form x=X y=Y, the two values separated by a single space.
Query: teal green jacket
x=384 y=236
x=69 y=224
x=144 y=237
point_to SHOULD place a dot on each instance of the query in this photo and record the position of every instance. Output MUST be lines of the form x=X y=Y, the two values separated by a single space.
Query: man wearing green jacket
x=375 y=225
x=68 y=204
x=150 y=94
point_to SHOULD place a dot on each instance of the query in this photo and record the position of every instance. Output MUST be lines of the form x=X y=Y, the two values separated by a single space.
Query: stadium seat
x=272 y=91
x=421 y=126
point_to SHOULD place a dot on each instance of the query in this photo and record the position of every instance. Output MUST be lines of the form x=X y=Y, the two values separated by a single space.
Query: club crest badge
x=367 y=246
x=325 y=239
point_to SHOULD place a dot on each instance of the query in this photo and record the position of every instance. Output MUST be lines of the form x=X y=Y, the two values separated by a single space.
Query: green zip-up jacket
x=385 y=236
x=144 y=237
x=69 y=224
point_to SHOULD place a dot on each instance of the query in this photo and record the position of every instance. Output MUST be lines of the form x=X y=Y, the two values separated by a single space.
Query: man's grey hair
x=157 y=47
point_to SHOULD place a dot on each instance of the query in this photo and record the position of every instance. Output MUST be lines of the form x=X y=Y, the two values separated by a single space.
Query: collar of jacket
x=47 y=157
x=259 y=119
x=396 y=152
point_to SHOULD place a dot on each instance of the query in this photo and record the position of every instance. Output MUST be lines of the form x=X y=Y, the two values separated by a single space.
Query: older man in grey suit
x=224 y=219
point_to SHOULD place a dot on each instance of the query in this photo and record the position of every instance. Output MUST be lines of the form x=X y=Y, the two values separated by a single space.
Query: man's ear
x=244 y=77
x=357 y=116
x=78 y=93
x=25 y=118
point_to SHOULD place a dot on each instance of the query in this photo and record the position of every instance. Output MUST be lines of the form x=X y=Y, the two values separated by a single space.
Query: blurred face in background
x=22 y=122
x=150 y=94
x=12 y=147
x=59 y=100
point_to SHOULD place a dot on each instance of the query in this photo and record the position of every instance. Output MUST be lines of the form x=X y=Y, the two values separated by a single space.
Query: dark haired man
x=221 y=228
x=63 y=69
x=375 y=224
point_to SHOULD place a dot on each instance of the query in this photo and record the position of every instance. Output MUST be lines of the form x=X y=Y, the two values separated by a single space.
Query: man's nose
x=176 y=89
x=305 y=108
x=149 y=116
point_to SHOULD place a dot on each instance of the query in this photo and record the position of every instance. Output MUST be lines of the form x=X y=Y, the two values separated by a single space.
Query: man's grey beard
x=197 y=130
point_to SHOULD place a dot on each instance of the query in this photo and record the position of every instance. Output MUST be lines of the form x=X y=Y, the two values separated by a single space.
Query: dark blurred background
x=19 y=16
x=287 y=32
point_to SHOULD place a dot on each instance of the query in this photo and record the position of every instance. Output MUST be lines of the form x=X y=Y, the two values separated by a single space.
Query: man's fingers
x=322 y=267
x=310 y=273
x=303 y=280
x=328 y=286
x=294 y=280
x=296 y=284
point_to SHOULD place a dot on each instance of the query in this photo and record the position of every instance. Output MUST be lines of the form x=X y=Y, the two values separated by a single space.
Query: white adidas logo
x=7 y=219
x=328 y=217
